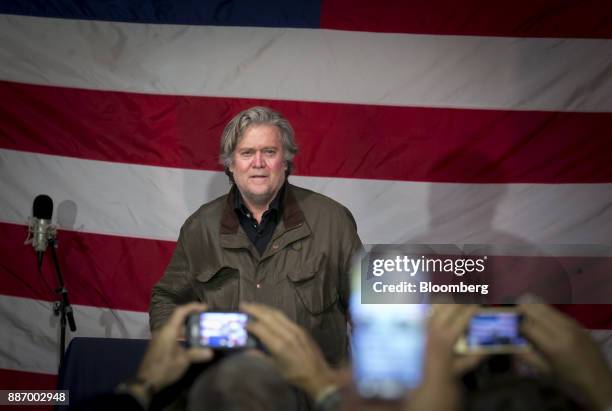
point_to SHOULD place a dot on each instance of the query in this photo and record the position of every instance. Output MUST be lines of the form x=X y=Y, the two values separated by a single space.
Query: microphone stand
x=61 y=307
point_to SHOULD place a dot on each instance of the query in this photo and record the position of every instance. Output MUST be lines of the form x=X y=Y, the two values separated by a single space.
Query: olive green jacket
x=303 y=272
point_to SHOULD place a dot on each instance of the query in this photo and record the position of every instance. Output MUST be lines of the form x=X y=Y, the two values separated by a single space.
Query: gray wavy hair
x=235 y=129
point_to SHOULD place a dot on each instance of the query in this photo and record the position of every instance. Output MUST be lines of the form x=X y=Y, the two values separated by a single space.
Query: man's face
x=258 y=164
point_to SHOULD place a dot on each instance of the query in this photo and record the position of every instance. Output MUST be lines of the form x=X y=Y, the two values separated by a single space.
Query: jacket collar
x=292 y=215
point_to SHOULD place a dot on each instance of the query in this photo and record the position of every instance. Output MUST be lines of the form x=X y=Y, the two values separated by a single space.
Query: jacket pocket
x=219 y=287
x=315 y=287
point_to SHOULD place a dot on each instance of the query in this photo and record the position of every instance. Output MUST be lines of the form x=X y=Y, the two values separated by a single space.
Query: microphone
x=41 y=233
x=41 y=230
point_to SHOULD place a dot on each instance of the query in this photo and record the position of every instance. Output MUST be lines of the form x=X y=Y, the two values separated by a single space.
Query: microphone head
x=43 y=207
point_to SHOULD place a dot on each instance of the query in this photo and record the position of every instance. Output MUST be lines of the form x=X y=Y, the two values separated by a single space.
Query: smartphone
x=219 y=330
x=388 y=348
x=495 y=331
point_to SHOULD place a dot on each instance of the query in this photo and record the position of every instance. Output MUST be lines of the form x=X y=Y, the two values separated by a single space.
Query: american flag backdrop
x=436 y=121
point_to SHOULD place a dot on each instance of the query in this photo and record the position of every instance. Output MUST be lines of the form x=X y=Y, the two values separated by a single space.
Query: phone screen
x=219 y=330
x=388 y=348
x=495 y=329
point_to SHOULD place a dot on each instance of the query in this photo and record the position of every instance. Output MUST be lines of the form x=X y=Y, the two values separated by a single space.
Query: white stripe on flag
x=310 y=64
x=29 y=341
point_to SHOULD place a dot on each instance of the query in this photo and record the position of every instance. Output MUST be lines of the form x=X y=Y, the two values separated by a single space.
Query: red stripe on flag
x=537 y=18
x=119 y=272
x=98 y=270
x=16 y=380
x=591 y=316
x=337 y=140
x=21 y=380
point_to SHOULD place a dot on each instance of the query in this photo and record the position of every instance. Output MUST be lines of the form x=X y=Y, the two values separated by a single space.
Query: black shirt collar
x=275 y=207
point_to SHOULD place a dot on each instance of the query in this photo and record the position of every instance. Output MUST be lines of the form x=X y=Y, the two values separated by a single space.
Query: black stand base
x=61 y=307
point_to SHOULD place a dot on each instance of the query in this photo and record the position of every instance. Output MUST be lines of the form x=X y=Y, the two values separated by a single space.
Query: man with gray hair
x=266 y=241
